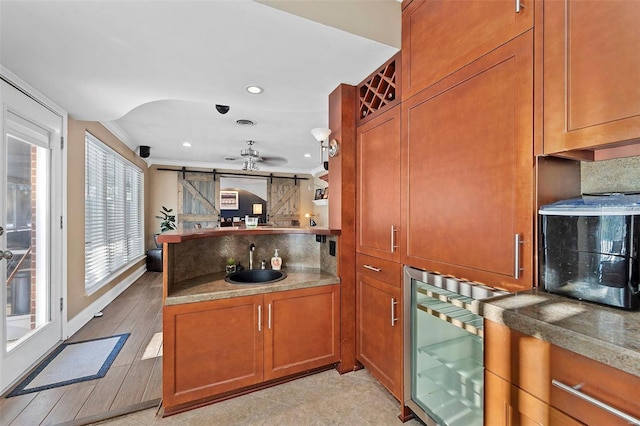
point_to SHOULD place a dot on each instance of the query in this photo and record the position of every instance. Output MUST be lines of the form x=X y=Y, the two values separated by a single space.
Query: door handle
x=516 y=257
x=393 y=239
x=7 y=255
x=393 y=312
x=259 y=317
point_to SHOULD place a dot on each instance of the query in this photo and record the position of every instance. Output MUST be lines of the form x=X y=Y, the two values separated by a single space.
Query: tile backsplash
x=618 y=175
x=197 y=257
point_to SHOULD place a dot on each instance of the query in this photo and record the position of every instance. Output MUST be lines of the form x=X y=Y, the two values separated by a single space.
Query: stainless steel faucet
x=252 y=247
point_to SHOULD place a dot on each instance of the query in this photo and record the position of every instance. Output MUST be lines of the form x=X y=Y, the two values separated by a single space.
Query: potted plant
x=168 y=223
x=231 y=265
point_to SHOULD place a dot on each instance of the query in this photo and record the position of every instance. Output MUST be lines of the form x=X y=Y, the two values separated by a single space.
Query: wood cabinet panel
x=468 y=170
x=378 y=186
x=379 y=330
x=591 y=74
x=530 y=365
x=216 y=347
x=210 y=348
x=440 y=37
x=379 y=269
x=517 y=358
x=606 y=384
x=302 y=330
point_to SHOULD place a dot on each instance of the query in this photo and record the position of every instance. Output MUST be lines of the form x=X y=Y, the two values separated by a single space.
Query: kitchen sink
x=255 y=276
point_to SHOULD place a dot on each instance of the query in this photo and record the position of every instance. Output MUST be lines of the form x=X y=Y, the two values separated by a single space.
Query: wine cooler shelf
x=453 y=385
x=451 y=307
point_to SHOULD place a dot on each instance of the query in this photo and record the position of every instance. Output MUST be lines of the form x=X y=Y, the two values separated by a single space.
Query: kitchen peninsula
x=222 y=339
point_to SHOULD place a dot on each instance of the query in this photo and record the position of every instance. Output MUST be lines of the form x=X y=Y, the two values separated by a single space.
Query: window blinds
x=113 y=213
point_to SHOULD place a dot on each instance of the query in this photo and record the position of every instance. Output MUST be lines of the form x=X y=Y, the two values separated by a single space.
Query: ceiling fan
x=251 y=157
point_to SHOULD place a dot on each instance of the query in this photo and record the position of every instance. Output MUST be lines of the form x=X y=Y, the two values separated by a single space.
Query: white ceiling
x=153 y=71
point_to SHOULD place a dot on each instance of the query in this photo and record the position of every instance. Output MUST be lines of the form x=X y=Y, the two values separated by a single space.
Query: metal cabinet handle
x=372 y=268
x=519 y=6
x=574 y=390
x=393 y=312
x=269 y=316
x=516 y=262
x=393 y=239
x=259 y=317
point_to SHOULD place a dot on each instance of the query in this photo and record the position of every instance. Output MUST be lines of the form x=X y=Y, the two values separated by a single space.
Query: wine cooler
x=444 y=372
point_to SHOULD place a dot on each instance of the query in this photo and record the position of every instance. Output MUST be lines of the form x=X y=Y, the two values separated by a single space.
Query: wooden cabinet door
x=441 y=36
x=379 y=331
x=468 y=171
x=211 y=348
x=378 y=186
x=508 y=405
x=591 y=73
x=302 y=330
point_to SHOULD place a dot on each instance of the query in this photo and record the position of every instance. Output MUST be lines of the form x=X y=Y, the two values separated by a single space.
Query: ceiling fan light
x=320 y=133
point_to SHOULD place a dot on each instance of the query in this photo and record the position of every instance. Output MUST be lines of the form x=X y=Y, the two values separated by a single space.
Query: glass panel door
x=31 y=318
x=446 y=356
x=27 y=271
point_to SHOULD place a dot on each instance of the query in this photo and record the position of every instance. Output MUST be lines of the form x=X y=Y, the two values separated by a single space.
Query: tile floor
x=326 y=398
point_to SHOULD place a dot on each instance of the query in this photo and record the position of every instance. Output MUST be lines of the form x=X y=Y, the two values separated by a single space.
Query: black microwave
x=588 y=249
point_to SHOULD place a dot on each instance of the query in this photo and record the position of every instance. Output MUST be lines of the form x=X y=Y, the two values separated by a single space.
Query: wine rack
x=380 y=90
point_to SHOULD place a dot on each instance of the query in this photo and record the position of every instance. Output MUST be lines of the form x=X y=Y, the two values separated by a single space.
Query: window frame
x=108 y=228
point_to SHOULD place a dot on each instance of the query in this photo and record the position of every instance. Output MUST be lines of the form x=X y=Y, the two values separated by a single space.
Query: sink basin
x=255 y=276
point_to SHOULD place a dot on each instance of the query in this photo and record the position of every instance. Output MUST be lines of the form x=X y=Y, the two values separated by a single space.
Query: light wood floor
x=130 y=384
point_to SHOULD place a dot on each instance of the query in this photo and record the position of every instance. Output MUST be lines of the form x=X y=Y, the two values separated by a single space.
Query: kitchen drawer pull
x=575 y=392
x=259 y=317
x=269 y=316
x=393 y=312
x=372 y=268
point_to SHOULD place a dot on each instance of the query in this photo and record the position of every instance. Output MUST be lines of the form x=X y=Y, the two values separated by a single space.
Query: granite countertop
x=608 y=335
x=214 y=287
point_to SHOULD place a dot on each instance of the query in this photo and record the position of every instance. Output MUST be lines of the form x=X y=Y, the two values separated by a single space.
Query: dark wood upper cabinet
x=467 y=152
x=440 y=37
x=591 y=74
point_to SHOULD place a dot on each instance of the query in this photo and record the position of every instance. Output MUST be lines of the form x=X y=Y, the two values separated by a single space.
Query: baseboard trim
x=154 y=403
x=77 y=322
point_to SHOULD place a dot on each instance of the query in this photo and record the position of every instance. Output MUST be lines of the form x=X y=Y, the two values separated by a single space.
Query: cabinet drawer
x=606 y=384
x=380 y=269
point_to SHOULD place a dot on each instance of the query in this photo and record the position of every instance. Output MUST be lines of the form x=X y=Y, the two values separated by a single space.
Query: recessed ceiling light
x=187 y=144
x=254 y=89
x=307 y=155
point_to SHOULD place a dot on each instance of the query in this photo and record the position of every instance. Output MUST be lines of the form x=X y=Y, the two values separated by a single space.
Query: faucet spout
x=252 y=247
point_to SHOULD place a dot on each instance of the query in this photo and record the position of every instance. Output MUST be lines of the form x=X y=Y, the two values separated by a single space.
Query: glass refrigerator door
x=446 y=356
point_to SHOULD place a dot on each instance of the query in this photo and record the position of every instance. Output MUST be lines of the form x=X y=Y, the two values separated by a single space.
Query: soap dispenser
x=276 y=261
